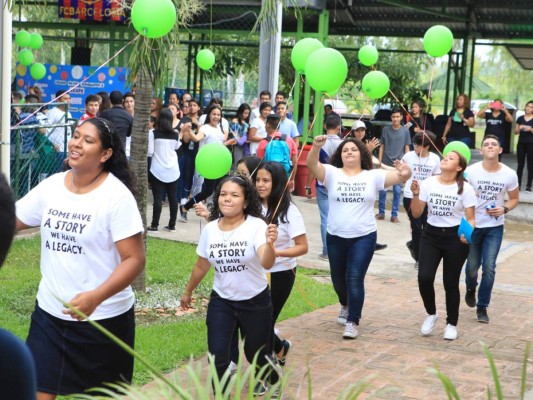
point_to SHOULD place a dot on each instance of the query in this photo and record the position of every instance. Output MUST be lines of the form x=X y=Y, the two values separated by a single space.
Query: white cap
x=358 y=124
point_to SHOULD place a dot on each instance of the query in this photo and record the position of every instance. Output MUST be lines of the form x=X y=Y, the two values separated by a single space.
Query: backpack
x=278 y=150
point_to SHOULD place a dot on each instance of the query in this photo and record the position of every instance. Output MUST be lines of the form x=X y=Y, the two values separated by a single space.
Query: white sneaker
x=450 y=332
x=429 y=323
x=350 y=332
x=232 y=368
x=343 y=314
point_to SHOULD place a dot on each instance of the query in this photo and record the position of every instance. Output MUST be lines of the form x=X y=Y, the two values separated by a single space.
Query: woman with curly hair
x=352 y=184
x=238 y=244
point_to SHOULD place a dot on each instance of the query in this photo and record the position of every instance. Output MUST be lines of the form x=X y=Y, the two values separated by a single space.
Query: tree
x=149 y=64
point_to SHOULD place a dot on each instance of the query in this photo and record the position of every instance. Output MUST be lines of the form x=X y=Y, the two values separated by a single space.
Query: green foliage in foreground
x=165 y=341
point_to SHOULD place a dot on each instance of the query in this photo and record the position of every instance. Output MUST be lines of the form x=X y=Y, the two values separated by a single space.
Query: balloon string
x=79 y=83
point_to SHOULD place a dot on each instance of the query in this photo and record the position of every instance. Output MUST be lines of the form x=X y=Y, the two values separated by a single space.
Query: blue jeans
x=323 y=208
x=465 y=140
x=348 y=261
x=484 y=250
x=397 y=193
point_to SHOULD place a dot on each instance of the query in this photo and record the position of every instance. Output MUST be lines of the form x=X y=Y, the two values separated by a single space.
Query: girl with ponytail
x=448 y=199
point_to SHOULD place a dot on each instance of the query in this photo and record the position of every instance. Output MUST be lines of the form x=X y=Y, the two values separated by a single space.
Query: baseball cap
x=358 y=124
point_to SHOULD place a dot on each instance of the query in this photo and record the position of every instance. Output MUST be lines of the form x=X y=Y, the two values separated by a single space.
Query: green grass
x=167 y=341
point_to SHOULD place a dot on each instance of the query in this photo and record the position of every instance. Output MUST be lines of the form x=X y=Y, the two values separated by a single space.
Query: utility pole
x=5 y=86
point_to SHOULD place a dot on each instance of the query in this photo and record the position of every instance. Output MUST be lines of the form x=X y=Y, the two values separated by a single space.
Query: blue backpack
x=278 y=150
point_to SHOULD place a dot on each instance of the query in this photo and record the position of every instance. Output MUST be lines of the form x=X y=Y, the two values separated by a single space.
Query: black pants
x=208 y=188
x=417 y=225
x=159 y=190
x=253 y=317
x=281 y=284
x=524 y=150
x=438 y=244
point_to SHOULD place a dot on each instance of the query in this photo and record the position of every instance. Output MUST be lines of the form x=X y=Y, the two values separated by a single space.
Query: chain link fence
x=38 y=148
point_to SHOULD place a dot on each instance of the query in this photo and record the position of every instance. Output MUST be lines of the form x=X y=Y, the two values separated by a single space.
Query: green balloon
x=301 y=52
x=37 y=71
x=326 y=70
x=23 y=38
x=205 y=59
x=36 y=41
x=368 y=55
x=375 y=84
x=25 y=57
x=438 y=41
x=153 y=18
x=213 y=161
x=460 y=148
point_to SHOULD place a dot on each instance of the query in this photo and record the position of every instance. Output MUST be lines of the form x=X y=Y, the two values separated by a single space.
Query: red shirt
x=293 y=149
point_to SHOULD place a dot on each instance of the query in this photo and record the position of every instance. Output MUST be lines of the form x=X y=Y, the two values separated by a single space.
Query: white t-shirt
x=490 y=188
x=422 y=167
x=261 y=132
x=238 y=273
x=351 y=201
x=57 y=135
x=212 y=135
x=162 y=148
x=78 y=232
x=224 y=122
x=445 y=206
x=287 y=231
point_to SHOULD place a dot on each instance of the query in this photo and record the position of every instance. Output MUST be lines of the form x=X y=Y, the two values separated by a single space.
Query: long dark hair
x=459 y=177
x=366 y=156
x=210 y=110
x=164 y=121
x=117 y=164
x=252 y=164
x=279 y=194
x=253 y=201
x=240 y=111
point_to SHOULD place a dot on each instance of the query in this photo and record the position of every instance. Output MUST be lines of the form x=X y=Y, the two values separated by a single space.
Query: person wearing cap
x=358 y=131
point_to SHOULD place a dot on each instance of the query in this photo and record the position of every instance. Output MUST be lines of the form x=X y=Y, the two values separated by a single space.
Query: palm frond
x=267 y=16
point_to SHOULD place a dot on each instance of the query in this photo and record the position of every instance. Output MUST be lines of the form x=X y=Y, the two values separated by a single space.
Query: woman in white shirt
x=448 y=198
x=210 y=132
x=163 y=141
x=271 y=183
x=92 y=250
x=352 y=184
x=257 y=130
x=239 y=245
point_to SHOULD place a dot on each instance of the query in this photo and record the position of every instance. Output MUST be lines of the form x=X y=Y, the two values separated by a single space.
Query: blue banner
x=64 y=77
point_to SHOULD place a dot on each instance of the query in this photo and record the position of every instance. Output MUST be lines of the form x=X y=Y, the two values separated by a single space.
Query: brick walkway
x=389 y=351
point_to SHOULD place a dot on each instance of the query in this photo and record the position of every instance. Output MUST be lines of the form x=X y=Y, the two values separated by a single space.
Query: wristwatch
x=308 y=190
x=505 y=210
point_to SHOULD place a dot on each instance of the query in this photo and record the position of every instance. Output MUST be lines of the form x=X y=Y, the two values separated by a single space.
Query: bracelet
x=307 y=187
x=185 y=292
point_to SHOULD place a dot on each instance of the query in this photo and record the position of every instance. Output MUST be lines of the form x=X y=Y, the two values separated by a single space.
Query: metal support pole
x=298 y=82
x=5 y=89
x=464 y=61
x=323 y=28
x=447 y=93
x=472 y=60
x=189 y=62
x=269 y=53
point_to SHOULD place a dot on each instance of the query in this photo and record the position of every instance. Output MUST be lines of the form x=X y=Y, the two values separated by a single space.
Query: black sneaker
x=170 y=229
x=183 y=214
x=411 y=249
x=152 y=229
x=470 y=298
x=260 y=388
x=528 y=189
x=482 y=315
x=380 y=246
x=286 y=347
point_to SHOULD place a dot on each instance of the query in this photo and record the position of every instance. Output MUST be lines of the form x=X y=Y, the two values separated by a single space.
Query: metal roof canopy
x=523 y=54
x=474 y=19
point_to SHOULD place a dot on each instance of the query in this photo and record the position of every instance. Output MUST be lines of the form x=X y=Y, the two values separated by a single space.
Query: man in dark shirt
x=119 y=116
